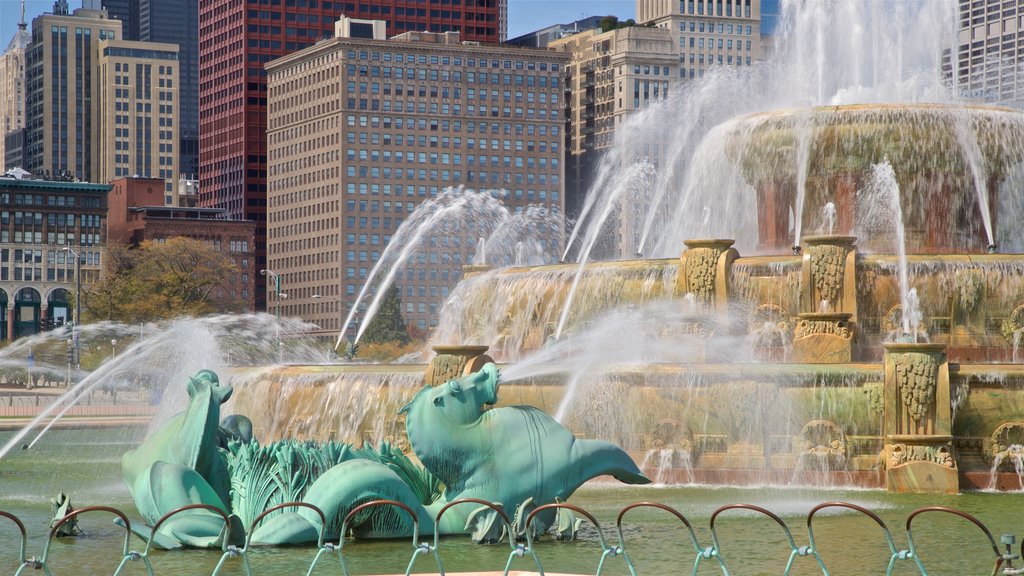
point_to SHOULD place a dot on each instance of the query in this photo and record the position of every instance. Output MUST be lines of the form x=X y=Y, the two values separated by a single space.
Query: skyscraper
x=136 y=112
x=170 y=22
x=362 y=131
x=711 y=32
x=12 y=90
x=237 y=39
x=989 y=51
x=60 y=64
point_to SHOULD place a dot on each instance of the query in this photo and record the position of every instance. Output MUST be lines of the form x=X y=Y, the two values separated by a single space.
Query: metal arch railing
x=689 y=528
x=516 y=550
x=23 y=547
x=894 y=553
x=126 y=554
x=321 y=548
x=1003 y=561
x=418 y=547
x=795 y=550
x=1000 y=558
x=228 y=549
x=606 y=550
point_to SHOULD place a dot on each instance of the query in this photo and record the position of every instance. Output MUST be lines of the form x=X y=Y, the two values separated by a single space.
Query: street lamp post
x=78 y=303
x=277 y=313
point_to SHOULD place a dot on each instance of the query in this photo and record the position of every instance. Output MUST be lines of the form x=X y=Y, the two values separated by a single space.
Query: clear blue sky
x=523 y=15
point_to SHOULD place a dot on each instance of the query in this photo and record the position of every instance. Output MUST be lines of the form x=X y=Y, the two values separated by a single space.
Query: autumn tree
x=157 y=280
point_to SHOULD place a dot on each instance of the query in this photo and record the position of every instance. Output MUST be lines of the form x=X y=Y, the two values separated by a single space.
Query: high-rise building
x=237 y=39
x=990 y=50
x=710 y=32
x=136 y=112
x=12 y=91
x=60 y=90
x=362 y=131
x=170 y=22
x=609 y=76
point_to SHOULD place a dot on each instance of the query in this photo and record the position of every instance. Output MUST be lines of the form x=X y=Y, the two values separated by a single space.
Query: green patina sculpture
x=518 y=457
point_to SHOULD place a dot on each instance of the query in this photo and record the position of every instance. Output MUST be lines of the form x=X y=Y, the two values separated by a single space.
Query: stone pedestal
x=829 y=275
x=704 y=271
x=823 y=338
x=454 y=361
x=917 y=420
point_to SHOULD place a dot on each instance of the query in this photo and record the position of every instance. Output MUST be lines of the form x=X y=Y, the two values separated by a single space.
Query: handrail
x=440 y=513
x=689 y=528
x=228 y=549
x=795 y=550
x=1002 y=563
x=606 y=551
x=244 y=552
x=126 y=554
x=22 y=561
x=417 y=547
x=965 y=516
x=894 y=554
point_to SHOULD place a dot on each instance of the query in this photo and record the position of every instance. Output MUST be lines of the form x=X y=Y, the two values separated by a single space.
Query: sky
x=523 y=15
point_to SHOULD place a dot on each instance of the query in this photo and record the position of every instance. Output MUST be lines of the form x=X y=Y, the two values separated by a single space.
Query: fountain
x=882 y=353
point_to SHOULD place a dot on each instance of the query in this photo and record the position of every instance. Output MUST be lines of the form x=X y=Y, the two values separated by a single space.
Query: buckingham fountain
x=820 y=288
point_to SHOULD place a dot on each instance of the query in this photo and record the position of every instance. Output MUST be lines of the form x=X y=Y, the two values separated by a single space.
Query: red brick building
x=236 y=39
x=136 y=213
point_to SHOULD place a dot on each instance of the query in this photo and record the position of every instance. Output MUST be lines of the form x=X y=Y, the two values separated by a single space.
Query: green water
x=86 y=465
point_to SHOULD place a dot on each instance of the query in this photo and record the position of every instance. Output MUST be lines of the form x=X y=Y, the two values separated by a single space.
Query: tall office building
x=60 y=90
x=710 y=32
x=12 y=93
x=170 y=22
x=136 y=112
x=362 y=131
x=610 y=75
x=237 y=39
x=990 y=49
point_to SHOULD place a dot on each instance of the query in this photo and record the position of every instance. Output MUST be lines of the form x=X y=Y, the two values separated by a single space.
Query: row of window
x=710 y=27
x=726 y=44
x=451 y=60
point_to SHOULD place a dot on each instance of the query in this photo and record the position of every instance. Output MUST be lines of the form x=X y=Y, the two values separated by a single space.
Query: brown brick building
x=136 y=213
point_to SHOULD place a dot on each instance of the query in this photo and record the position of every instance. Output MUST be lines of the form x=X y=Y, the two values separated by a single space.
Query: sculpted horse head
x=458 y=401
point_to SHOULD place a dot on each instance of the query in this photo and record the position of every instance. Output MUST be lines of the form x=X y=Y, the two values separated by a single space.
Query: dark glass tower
x=177 y=22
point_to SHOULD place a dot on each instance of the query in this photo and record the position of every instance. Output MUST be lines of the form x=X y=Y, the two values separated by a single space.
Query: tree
x=612 y=23
x=388 y=325
x=178 y=277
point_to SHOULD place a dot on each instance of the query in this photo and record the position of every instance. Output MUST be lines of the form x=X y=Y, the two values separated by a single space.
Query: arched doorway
x=3 y=315
x=26 y=312
x=59 y=311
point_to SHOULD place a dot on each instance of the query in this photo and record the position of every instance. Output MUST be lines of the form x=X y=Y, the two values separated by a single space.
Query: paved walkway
x=19 y=406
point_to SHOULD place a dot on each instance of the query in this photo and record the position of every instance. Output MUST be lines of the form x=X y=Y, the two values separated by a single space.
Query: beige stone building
x=609 y=76
x=989 y=51
x=136 y=112
x=710 y=32
x=362 y=131
x=12 y=91
x=61 y=90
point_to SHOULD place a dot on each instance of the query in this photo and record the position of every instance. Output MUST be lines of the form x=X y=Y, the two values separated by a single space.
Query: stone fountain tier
x=732 y=423
x=925 y=144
